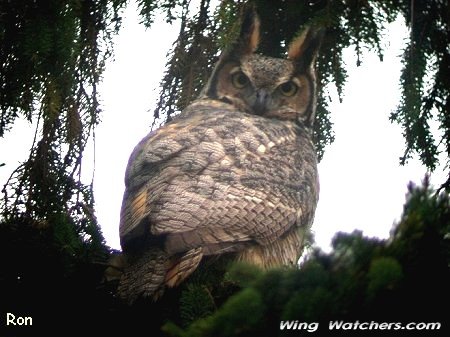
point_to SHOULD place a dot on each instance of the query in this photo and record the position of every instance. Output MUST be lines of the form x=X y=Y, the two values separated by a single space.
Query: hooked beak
x=262 y=101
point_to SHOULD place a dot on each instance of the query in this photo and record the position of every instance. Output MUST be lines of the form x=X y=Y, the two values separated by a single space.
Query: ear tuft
x=245 y=44
x=249 y=35
x=304 y=48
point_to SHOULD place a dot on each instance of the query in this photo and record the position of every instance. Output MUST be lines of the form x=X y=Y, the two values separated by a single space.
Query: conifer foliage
x=52 y=56
x=403 y=279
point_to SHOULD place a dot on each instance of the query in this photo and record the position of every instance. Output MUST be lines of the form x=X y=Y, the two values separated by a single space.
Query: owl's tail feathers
x=149 y=273
x=143 y=275
x=182 y=266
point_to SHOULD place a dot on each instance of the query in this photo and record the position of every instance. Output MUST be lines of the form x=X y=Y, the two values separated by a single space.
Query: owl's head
x=266 y=86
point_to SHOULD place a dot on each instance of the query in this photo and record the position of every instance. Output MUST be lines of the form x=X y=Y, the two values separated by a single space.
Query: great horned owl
x=235 y=172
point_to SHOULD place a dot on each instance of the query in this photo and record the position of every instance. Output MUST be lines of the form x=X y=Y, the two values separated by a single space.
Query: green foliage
x=402 y=279
x=195 y=302
x=239 y=315
x=243 y=274
x=190 y=61
x=384 y=273
x=308 y=305
x=147 y=9
x=421 y=243
x=361 y=279
x=425 y=81
x=52 y=55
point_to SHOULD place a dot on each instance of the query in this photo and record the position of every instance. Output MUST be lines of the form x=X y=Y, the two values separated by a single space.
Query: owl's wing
x=218 y=179
x=156 y=170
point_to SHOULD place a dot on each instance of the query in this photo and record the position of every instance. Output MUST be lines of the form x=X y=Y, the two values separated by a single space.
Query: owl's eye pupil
x=239 y=80
x=288 y=88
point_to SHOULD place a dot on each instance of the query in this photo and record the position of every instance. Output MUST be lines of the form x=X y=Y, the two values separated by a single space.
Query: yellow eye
x=239 y=80
x=288 y=88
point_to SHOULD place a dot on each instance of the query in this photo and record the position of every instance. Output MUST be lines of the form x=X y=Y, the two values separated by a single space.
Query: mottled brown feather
x=235 y=172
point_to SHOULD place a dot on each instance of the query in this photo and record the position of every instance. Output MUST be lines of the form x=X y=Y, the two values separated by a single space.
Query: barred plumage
x=235 y=172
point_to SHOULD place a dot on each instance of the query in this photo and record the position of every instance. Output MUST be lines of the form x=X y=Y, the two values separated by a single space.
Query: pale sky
x=362 y=185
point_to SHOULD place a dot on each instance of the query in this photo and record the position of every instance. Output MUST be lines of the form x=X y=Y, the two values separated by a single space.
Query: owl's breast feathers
x=216 y=180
